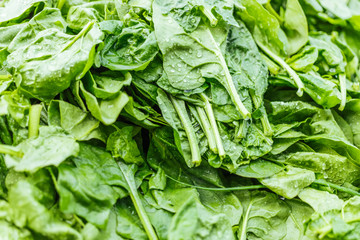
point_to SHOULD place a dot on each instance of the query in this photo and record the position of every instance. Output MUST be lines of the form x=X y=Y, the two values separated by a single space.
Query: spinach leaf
x=194 y=220
x=54 y=66
x=244 y=61
x=295 y=25
x=79 y=15
x=264 y=216
x=192 y=57
x=93 y=171
x=121 y=144
x=79 y=124
x=300 y=214
x=25 y=209
x=48 y=18
x=289 y=183
x=36 y=153
x=130 y=47
x=268 y=35
x=106 y=110
x=16 y=11
x=304 y=60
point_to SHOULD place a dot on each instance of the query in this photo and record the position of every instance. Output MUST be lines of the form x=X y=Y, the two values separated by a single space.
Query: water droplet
x=190 y=51
x=323 y=166
x=179 y=65
x=199 y=54
x=172 y=70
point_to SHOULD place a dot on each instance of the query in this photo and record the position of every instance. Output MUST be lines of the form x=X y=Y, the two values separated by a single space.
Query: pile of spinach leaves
x=184 y=119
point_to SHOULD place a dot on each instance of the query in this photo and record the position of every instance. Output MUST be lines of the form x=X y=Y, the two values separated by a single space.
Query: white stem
x=207 y=129
x=189 y=130
x=210 y=113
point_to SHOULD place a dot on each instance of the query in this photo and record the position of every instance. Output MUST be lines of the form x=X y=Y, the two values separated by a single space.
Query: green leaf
x=335 y=168
x=48 y=18
x=263 y=25
x=300 y=214
x=122 y=145
x=139 y=49
x=54 y=66
x=163 y=154
x=327 y=49
x=194 y=221
x=321 y=201
x=105 y=110
x=73 y=120
x=128 y=224
x=290 y=182
x=304 y=60
x=350 y=209
x=296 y=26
x=16 y=11
x=40 y=152
x=88 y=189
x=79 y=15
x=258 y=169
x=15 y=105
x=191 y=57
x=264 y=216
x=26 y=210
x=9 y=231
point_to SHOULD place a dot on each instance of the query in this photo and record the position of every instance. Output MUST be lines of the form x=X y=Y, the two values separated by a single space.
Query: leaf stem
x=6 y=149
x=179 y=106
x=61 y=4
x=240 y=132
x=211 y=116
x=230 y=86
x=210 y=16
x=342 y=79
x=5 y=77
x=282 y=63
x=54 y=179
x=337 y=187
x=266 y=126
x=196 y=102
x=245 y=220
x=264 y=118
x=205 y=124
x=78 y=220
x=137 y=203
x=34 y=120
x=79 y=35
x=224 y=189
